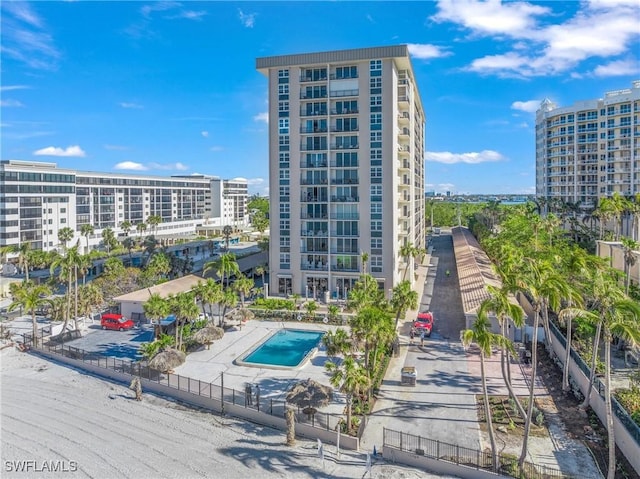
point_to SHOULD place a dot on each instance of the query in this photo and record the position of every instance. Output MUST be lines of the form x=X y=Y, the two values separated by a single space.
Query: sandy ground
x=59 y=417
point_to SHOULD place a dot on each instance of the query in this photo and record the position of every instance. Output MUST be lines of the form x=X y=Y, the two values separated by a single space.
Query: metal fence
x=464 y=456
x=212 y=390
x=621 y=413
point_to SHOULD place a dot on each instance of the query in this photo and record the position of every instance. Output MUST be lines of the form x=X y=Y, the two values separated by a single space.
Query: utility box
x=408 y=376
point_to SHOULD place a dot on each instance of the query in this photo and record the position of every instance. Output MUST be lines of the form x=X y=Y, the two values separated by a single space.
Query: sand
x=57 y=417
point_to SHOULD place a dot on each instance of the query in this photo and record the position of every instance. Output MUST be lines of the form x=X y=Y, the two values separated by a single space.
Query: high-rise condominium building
x=346 y=169
x=38 y=199
x=589 y=150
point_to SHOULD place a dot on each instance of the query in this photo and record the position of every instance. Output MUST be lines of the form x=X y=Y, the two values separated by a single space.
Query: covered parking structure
x=475 y=274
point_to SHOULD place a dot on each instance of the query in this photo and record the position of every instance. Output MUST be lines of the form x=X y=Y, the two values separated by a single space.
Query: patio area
x=208 y=365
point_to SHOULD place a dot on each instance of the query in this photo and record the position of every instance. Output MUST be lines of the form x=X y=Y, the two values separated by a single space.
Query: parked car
x=116 y=322
x=424 y=322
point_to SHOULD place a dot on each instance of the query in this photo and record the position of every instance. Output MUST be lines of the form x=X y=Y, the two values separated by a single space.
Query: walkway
x=443 y=405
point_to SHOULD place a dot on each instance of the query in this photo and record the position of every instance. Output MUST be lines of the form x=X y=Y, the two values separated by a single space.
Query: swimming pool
x=286 y=348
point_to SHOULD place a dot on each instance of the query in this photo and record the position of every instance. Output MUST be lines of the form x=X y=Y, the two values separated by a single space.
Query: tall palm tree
x=403 y=297
x=407 y=251
x=129 y=243
x=229 y=299
x=337 y=342
x=225 y=266
x=126 y=226
x=505 y=310
x=156 y=308
x=184 y=307
x=618 y=317
x=86 y=230
x=480 y=334
x=243 y=286
x=227 y=231
x=208 y=292
x=90 y=297
x=364 y=257
x=25 y=254
x=30 y=296
x=154 y=221
x=350 y=378
x=64 y=236
x=141 y=228
x=261 y=269
x=629 y=247
x=109 y=239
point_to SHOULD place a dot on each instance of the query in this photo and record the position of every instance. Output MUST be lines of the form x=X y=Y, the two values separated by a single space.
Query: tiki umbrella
x=208 y=335
x=310 y=395
x=166 y=360
x=241 y=314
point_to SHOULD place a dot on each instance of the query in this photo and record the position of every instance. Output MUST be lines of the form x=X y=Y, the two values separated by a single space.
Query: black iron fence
x=212 y=390
x=621 y=413
x=464 y=456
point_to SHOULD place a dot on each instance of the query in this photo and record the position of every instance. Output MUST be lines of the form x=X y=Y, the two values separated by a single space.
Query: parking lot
x=117 y=344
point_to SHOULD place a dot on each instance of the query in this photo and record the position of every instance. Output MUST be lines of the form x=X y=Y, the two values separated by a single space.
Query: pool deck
x=207 y=365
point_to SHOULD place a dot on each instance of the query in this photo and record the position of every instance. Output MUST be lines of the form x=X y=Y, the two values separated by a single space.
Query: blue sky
x=171 y=87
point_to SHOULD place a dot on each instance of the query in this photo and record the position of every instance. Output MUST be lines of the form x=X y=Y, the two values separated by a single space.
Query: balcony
x=345 y=267
x=309 y=198
x=313 y=181
x=345 y=216
x=313 y=266
x=315 y=129
x=403 y=132
x=306 y=147
x=342 y=129
x=314 y=233
x=343 y=93
x=305 y=112
x=312 y=95
x=313 y=216
x=404 y=165
x=354 y=234
x=319 y=250
x=312 y=78
x=344 y=181
x=344 y=111
x=343 y=146
x=404 y=117
x=345 y=199
x=313 y=164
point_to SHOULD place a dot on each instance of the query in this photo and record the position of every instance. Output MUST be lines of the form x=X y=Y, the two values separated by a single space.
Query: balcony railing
x=344 y=267
x=345 y=216
x=344 y=111
x=313 y=164
x=315 y=129
x=305 y=112
x=313 y=216
x=311 y=95
x=343 y=234
x=313 y=181
x=309 y=78
x=343 y=93
x=336 y=129
x=314 y=233
x=344 y=181
x=306 y=266
x=309 y=198
x=343 y=199
x=343 y=146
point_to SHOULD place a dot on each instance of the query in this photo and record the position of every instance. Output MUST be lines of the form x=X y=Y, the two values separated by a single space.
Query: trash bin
x=408 y=376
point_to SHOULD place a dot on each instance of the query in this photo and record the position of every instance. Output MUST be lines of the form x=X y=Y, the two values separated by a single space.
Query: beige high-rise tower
x=346 y=169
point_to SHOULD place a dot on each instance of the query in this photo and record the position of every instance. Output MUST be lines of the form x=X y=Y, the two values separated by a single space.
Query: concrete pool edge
x=240 y=360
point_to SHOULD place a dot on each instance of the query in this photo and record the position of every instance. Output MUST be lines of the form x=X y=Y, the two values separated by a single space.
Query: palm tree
x=109 y=239
x=25 y=254
x=227 y=231
x=154 y=221
x=629 y=247
x=261 y=269
x=208 y=293
x=243 y=286
x=90 y=297
x=364 y=257
x=65 y=235
x=86 y=230
x=156 y=308
x=126 y=226
x=225 y=266
x=141 y=228
x=30 y=296
x=403 y=298
x=500 y=304
x=129 y=243
x=311 y=307
x=407 y=251
x=350 y=378
x=618 y=317
x=481 y=334
x=228 y=300
x=337 y=342
x=184 y=307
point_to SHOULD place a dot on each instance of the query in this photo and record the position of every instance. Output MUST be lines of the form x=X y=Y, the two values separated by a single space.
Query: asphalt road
x=118 y=344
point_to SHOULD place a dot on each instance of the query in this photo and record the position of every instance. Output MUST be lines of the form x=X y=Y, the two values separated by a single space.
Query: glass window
x=283 y=89
x=376 y=208
x=283 y=126
x=375 y=65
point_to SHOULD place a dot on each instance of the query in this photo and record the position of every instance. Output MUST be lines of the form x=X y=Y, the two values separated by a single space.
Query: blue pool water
x=287 y=347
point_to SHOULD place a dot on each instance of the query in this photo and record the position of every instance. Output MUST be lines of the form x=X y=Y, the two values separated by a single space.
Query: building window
x=375 y=85
x=346 y=72
x=284 y=174
x=376 y=121
x=376 y=139
x=376 y=263
x=376 y=243
x=376 y=208
x=285 y=225
x=283 y=74
x=285 y=208
x=285 y=241
x=285 y=259
x=284 y=160
x=283 y=106
x=376 y=226
x=283 y=126
x=284 y=193
x=283 y=89
x=283 y=142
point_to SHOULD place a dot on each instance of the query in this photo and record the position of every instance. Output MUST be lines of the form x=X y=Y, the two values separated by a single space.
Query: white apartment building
x=589 y=150
x=38 y=199
x=346 y=169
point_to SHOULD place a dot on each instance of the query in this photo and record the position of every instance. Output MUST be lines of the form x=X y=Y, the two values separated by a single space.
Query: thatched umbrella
x=168 y=359
x=310 y=394
x=208 y=335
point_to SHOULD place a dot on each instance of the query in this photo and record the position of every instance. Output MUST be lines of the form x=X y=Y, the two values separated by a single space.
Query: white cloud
x=247 y=19
x=370 y=18
x=491 y=17
x=74 y=150
x=10 y=103
x=469 y=158
x=263 y=116
x=597 y=29
x=130 y=165
x=134 y=106
x=617 y=68
x=255 y=181
x=530 y=106
x=25 y=39
x=146 y=10
x=14 y=87
x=423 y=51
x=216 y=148
x=169 y=166
x=188 y=15
x=205 y=134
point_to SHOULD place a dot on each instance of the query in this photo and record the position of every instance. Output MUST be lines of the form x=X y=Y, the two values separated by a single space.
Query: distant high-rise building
x=38 y=199
x=346 y=169
x=589 y=150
